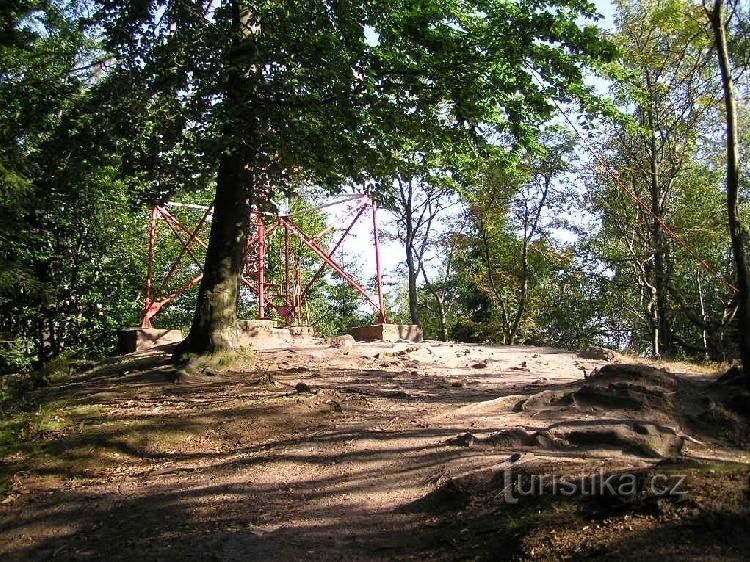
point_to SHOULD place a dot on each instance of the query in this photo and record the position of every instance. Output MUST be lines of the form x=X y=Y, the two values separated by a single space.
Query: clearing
x=376 y=451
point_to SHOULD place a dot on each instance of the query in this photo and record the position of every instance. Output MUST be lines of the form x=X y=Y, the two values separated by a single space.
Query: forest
x=563 y=185
x=549 y=182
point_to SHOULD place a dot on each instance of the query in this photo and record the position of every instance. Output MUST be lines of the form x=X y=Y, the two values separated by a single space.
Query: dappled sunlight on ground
x=313 y=452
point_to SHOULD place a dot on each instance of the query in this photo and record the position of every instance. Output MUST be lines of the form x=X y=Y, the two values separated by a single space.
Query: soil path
x=303 y=452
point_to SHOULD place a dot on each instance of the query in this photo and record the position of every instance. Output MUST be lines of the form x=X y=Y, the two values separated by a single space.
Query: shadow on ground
x=283 y=459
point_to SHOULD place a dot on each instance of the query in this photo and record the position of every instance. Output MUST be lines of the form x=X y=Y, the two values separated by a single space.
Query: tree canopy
x=447 y=113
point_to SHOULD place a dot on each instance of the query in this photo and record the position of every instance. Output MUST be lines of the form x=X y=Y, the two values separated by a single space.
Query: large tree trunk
x=736 y=230
x=216 y=310
x=213 y=326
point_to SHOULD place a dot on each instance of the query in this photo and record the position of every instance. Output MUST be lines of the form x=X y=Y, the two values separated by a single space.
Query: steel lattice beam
x=289 y=301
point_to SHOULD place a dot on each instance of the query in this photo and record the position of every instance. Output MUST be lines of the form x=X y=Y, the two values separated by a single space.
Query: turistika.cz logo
x=621 y=484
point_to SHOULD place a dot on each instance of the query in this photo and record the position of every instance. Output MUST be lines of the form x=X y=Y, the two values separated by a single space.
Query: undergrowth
x=24 y=414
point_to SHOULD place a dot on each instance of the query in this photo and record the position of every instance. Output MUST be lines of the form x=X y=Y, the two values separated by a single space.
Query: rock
x=598 y=353
x=130 y=340
x=342 y=342
x=615 y=387
x=512 y=438
x=623 y=396
x=734 y=375
x=634 y=373
x=479 y=365
x=302 y=387
x=335 y=406
x=463 y=440
x=630 y=387
x=546 y=399
x=639 y=438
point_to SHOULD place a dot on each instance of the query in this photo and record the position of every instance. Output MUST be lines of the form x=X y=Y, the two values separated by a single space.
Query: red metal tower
x=286 y=299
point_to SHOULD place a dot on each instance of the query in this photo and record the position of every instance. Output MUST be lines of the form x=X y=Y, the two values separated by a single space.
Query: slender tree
x=419 y=201
x=719 y=14
x=665 y=88
x=510 y=217
x=439 y=282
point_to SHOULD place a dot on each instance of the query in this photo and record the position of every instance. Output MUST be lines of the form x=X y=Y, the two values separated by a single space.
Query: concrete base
x=260 y=334
x=387 y=332
x=141 y=339
x=253 y=328
x=302 y=331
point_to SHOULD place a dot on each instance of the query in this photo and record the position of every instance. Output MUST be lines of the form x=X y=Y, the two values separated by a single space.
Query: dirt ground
x=376 y=452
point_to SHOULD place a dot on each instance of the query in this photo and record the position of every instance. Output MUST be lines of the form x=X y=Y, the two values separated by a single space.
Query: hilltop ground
x=378 y=452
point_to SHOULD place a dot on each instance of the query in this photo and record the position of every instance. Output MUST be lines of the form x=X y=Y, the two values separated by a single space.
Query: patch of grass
x=123 y=365
x=700 y=368
x=22 y=431
x=31 y=436
x=58 y=369
x=18 y=391
x=10 y=433
x=219 y=361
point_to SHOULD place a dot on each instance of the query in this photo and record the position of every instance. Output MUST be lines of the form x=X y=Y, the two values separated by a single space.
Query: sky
x=606 y=9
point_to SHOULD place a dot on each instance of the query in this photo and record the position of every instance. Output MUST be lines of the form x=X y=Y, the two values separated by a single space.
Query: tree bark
x=216 y=309
x=663 y=345
x=489 y=264
x=440 y=303
x=736 y=230
x=704 y=316
x=442 y=319
x=530 y=229
x=413 y=295
x=440 y=296
x=215 y=315
x=523 y=293
x=406 y=200
x=412 y=271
